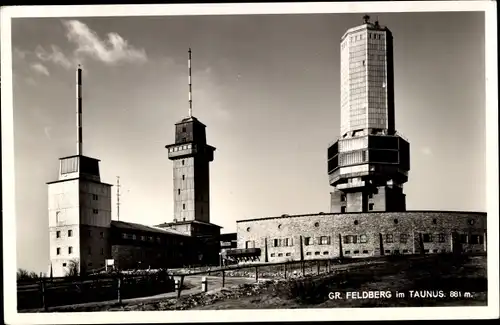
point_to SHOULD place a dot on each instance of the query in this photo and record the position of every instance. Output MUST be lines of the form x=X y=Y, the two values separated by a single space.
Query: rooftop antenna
x=376 y=22
x=366 y=19
x=79 y=110
x=190 y=89
x=118 y=197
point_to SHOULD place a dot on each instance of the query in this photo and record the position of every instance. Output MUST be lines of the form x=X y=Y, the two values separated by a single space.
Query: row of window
x=179 y=148
x=143 y=238
x=70 y=233
x=70 y=250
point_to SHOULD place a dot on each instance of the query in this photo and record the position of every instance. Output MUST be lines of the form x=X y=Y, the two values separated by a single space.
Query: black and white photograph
x=286 y=161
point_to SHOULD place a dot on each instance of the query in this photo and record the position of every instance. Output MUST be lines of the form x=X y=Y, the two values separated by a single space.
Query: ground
x=462 y=281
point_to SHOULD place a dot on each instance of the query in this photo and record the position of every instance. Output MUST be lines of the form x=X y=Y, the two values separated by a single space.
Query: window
x=58 y=234
x=134 y=237
x=90 y=264
x=95 y=197
x=316 y=224
x=64 y=264
x=426 y=251
x=250 y=244
x=308 y=253
x=441 y=238
x=307 y=241
x=434 y=250
x=70 y=250
x=427 y=238
x=324 y=240
x=70 y=233
x=288 y=254
x=387 y=251
x=389 y=238
x=477 y=239
x=403 y=238
x=158 y=239
x=102 y=251
x=370 y=206
x=90 y=233
x=347 y=252
x=434 y=221
x=95 y=211
x=58 y=250
x=280 y=254
x=471 y=221
x=356 y=222
x=279 y=226
x=248 y=229
x=370 y=196
x=272 y=254
x=396 y=221
x=350 y=239
x=405 y=251
x=143 y=238
x=183 y=177
x=179 y=191
x=342 y=197
x=365 y=252
x=101 y=234
x=182 y=162
x=183 y=206
x=316 y=253
x=150 y=238
x=356 y=252
x=342 y=209
x=325 y=253
x=363 y=239
x=463 y=238
x=58 y=215
x=124 y=235
x=288 y=242
x=183 y=139
x=183 y=129
x=276 y=243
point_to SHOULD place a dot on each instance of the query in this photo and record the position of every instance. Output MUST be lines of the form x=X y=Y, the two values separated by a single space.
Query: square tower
x=191 y=156
x=79 y=217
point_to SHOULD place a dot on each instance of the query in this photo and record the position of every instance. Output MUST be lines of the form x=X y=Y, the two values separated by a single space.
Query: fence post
x=303 y=264
x=256 y=274
x=318 y=266
x=180 y=287
x=223 y=278
x=119 y=289
x=285 y=271
x=204 y=282
x=44 y=300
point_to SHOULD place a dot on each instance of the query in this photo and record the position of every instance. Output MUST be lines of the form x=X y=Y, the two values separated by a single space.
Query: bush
x=23 y=274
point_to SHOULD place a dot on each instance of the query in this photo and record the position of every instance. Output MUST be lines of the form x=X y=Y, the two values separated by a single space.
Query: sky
x=266 y=86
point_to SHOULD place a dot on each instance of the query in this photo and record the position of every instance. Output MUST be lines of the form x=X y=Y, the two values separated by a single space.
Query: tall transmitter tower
x=369 y=163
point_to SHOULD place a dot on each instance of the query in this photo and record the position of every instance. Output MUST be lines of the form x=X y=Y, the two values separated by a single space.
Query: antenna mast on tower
x=118 y=197
x=79 y=110
x=190 y=89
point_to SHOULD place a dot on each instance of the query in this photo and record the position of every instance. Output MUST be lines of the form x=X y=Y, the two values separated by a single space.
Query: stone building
x=367 y=167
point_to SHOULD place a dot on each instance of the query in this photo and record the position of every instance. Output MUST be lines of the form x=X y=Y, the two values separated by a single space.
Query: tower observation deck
x=369 y=162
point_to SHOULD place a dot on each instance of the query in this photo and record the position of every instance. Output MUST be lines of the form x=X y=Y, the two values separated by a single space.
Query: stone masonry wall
x=368 y=228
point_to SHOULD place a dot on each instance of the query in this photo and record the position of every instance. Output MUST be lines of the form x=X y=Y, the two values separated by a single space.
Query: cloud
x=113 y=50
x=56 y=56
x=40 y=68
x=426 y=151
x=46 y=130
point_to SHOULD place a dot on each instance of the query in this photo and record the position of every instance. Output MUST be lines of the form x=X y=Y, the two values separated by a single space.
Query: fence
x=249 y=273
x=46 y=292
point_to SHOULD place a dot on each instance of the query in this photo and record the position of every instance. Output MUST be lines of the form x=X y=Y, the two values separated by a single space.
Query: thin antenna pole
x=118 y=197
x=190 y=89
x=79 y=140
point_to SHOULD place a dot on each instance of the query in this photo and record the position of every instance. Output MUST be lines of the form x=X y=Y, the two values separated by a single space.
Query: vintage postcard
x=312 y=161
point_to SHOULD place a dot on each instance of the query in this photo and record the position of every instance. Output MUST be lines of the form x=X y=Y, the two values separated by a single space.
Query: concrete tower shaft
x=369 y=163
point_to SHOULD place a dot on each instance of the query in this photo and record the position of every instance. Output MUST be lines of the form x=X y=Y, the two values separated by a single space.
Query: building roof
x=190 y=119
x=139 y=227
x=167 y=224
x=75 y=178
x=353 y=213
